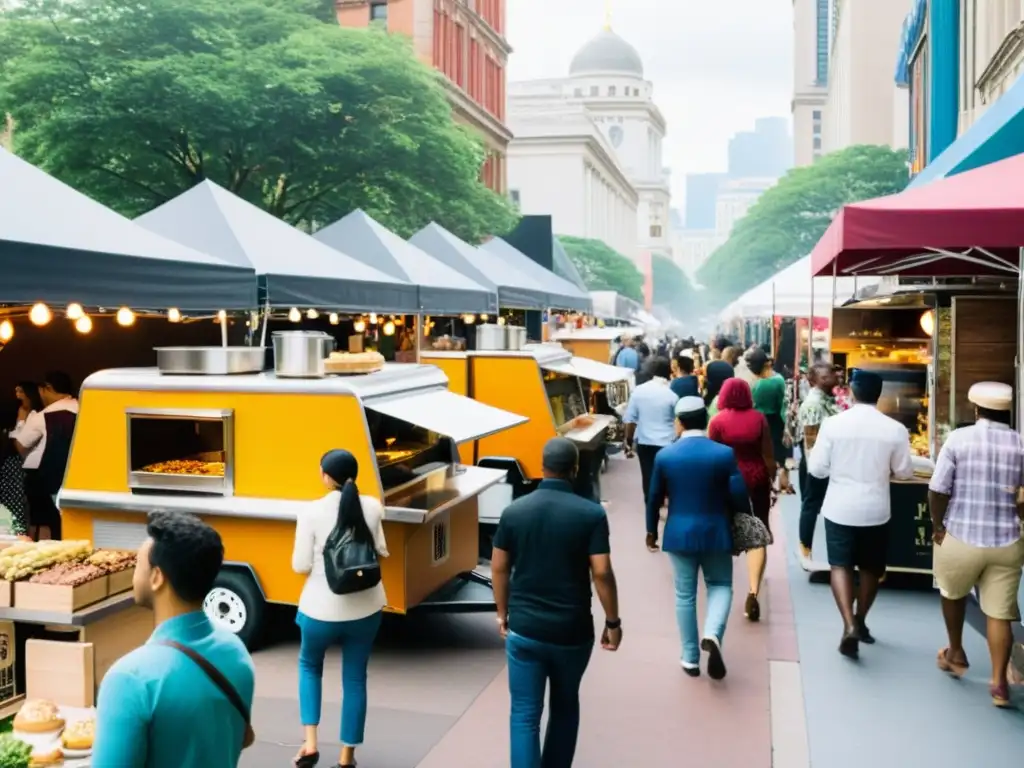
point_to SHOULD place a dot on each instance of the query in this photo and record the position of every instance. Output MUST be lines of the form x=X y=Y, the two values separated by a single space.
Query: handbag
x=225 y=686
x=350 y=565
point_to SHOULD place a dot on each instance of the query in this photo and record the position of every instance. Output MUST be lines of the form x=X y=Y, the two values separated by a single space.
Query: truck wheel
x=235 y=604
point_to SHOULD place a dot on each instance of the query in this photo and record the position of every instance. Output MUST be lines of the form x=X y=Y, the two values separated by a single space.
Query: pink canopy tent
x=967 y=225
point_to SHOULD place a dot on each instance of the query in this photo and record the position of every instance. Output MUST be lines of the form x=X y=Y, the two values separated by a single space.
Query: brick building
x=464 y=39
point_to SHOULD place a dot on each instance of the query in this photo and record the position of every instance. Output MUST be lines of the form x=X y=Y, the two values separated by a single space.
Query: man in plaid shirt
x=974 y=496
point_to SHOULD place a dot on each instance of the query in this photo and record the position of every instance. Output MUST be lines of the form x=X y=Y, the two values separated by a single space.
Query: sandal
x=956 y=668
x=1000 y=695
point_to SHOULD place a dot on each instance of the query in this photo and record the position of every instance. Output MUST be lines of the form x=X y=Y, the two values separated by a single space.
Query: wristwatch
x=616 y=624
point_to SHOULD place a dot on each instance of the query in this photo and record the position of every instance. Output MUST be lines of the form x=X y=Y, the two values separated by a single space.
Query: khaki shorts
x=996 y=571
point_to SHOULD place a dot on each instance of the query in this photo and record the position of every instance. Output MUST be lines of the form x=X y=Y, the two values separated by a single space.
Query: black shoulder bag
x=350 y=565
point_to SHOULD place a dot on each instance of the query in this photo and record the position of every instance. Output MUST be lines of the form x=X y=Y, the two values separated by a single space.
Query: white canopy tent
x=792 y=292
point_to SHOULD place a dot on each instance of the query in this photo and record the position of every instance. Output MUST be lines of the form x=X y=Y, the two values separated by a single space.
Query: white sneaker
x=693 y=670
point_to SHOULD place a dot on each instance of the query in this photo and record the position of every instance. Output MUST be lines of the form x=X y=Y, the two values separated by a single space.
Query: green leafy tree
x=789 y=219
x=603 y=268
x=133 y=103
x=672 y=289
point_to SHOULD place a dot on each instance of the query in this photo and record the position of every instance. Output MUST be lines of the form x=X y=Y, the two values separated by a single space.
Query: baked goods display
x=349 y=363
x=21 y=561
x=448 y=344
x=68 y=574
x=79 y=735
x=186 y=467
x=112 y=560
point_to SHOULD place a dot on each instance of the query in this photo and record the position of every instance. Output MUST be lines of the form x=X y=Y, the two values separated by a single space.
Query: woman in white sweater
x=326 y=618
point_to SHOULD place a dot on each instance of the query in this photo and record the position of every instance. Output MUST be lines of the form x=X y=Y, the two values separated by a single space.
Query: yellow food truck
x=240 y=448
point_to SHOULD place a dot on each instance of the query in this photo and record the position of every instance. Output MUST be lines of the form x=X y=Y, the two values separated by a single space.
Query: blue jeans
x=717 y=568
x=356 y=640
x=532 y=665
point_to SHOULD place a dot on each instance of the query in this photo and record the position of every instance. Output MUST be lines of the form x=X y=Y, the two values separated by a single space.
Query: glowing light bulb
x=83 y=324
x=312 y=314
x=373 y=318
x=501 y=321
x=6 y=331
x=174 y=315
x=125 y=317
x=40 y=314
x=469 y=319
x=359 y=326
x=294 y=315
x=389 y=328
x=222 y=316
x=928 y=322
x=484 y=318
x=399 y=320
x=75 y=311
x=334 y=318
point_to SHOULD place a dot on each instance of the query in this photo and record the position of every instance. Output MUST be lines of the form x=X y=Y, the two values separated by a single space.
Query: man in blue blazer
x=704 y=487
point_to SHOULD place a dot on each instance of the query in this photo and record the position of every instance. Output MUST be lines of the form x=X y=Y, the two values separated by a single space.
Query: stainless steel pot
x=515 y=337
x=210 y=361
x=301 y=354
x=490 y=337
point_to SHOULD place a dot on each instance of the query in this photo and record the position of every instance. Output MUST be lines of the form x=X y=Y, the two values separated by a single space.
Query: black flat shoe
x=849 y=646
x=307 y=761
x=692 y=671
x=716 y=664
x=864 y=634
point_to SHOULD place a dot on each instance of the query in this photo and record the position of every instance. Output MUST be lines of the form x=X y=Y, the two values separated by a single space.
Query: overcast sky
x=716 y=66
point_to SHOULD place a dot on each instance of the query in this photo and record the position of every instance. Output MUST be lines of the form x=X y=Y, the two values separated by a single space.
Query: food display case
x=401 y=423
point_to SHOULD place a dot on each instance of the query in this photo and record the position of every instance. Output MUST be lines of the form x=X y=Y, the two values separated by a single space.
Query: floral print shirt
x=815 y=408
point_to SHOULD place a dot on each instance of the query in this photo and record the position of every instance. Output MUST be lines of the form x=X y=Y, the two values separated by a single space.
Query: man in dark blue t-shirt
x=684 y=383
x=548 y=546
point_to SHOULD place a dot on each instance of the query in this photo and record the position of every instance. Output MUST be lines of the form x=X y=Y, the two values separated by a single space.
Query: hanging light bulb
x=469 y=319
x=294 y=315
x=501 y=321
x=484 y=318
x=928 y=322
x=75 y=311
x=399 y=320
x=359 y=326
x=173 y=315
x=334 y=318
x=373 y=318
x=222 y=316
x=40 y=314
x=6 y=331
x=83 y=324
x=312 y=314
x=389 y=328
x=125 y=317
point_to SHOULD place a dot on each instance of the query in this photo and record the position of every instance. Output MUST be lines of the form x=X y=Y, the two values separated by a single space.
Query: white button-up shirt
x=859 y=451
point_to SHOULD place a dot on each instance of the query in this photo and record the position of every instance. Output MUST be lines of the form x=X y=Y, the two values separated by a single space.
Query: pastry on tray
x=52 y=757
x=354 y=362
x=38 y=716
x=79 y=735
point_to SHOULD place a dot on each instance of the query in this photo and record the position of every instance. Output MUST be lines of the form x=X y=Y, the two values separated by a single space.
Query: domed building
x=602 y=118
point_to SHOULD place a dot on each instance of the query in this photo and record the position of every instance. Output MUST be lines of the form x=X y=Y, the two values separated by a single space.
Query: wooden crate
x=57 y=597
x=120 y=581
x=6 y=594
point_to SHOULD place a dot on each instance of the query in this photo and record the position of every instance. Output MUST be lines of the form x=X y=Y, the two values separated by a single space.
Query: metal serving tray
x=210 y=361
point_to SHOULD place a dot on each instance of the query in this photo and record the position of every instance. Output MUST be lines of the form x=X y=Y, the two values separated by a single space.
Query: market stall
x=597 y=344
x=560 y=394
x=187 y=436
x=561 y=294
x=953 y=320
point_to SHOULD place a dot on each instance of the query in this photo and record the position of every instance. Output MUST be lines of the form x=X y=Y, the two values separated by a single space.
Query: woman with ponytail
x=326 y=618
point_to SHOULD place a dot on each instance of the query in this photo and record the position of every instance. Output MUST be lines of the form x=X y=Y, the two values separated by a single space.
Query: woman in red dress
x=746 y=431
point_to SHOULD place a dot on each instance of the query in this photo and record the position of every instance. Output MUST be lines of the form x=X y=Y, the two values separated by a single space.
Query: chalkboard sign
x=910 y=530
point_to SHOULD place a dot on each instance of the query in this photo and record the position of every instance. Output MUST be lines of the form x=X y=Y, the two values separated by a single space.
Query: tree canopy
x=133 y=103
x=789 y=219
x=603 y=268
x=672 y=288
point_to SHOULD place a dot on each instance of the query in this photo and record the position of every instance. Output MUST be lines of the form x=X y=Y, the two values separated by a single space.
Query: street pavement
x=439 y=697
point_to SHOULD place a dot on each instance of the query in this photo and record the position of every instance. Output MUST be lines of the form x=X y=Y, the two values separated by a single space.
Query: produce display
x=187 y=467
x=23 y=560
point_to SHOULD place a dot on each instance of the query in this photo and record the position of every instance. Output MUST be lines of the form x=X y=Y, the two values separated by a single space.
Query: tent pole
x=1020 y=335
x=224 y=331
x=266 y=322
x=810 y=330
x=417 y=324
x=772 y=325
x=832 y=309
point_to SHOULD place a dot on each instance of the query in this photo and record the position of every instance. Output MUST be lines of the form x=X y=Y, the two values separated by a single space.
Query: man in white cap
x=703 y=485
x=975 y=499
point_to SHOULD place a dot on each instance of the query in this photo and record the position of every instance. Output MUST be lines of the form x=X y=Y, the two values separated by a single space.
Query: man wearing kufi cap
x=859 y=450
x=703 y=484
x=975 y=499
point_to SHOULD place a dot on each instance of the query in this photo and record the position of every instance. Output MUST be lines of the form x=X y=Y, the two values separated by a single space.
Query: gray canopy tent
x=561 y=294
x=516 y=290
x=442 y=289
x=294 y=269
x=59 y=246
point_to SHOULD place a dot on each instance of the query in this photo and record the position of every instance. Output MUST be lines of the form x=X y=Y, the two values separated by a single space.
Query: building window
x=817 y=142
x=578 y=93
x=816 y=115
x=655 y=230
x=594 y=90
x=379 y=10
x=822 y=42
x=611 y=90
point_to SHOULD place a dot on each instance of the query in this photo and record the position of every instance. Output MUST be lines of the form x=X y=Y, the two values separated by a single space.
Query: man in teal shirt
x=157 y=707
